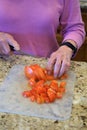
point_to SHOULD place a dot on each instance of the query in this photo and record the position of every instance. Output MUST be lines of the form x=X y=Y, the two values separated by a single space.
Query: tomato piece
x=32 y=98
x=52 y=97
x=39 y=87
x=32 y=82
x=63 y=84
x=46 y=100
x=59 y=95
x=35 y=71
x=26 y=94
x=38 y=100
x=45 y=71
x=61 y=89
x=44 y=87
x=40 y=90
x=49 y=77
x=43 y=94
x=50 y=90
x=40 y=83
x=51 y=94
x=42 y=99
x=41 y=74
x=29 y=72
x=64 y=76
x=54 y=85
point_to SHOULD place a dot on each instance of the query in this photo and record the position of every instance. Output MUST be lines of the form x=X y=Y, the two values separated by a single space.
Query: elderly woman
x=31 y=26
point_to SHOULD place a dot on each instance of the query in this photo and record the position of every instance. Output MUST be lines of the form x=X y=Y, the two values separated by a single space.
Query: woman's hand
x=59 y=61
x=5 y=41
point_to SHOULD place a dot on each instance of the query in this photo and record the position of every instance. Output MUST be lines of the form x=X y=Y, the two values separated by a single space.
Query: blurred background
x=82 y=53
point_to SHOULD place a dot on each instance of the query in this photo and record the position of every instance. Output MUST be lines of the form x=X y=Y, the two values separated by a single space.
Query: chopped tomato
x=46 y=100
x=64 y=76
x=32 y=98
x=51 y=94
x=41 y=74
x=61 y=89
x=44 y=88
x=39 y=101
x=40 y=89
x=40 y=83
x=49 y=77
x=59 y=95
x=29 y=72
x=26 y=94
x=32 y=82
x=43 y=94
x=54 y=85
x=63 y=84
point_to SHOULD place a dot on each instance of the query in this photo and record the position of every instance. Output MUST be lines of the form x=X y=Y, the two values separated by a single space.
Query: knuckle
x=2 y=40
x=6 y=52
x=67 y=63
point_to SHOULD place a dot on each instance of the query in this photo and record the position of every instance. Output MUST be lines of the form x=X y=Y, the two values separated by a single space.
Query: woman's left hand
x=59 y=61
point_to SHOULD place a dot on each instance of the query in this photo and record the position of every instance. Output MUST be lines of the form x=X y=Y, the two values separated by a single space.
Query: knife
x=21 y=52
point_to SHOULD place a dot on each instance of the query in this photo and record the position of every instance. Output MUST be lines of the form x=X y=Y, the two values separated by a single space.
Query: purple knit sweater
x=34 y=23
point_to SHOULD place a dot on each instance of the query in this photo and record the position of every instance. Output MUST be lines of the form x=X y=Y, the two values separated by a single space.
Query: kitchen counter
x=78 y=119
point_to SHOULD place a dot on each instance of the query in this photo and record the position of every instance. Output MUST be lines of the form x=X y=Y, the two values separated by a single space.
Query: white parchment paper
x=12 y=101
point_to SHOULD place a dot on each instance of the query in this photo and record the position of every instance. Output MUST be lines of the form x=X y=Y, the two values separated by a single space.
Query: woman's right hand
x=6 y=40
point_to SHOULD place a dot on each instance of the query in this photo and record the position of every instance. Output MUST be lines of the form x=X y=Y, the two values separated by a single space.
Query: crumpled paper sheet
x=12 y=101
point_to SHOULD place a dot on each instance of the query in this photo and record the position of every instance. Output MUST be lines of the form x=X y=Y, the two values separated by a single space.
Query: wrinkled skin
x=59 y=61
x=5 y=41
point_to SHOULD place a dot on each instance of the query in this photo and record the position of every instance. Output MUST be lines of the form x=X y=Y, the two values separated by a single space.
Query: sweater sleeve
x=71 y=22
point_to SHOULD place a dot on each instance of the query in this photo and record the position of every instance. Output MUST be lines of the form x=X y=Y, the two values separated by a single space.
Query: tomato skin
x=41 y=74
x=29 y=72
x=38 y=72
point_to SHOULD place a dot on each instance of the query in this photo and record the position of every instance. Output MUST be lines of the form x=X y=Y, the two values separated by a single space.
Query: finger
x=57 y=67
x=12 y=42
x=50 y=64
x=5 y=57
x=4 y=48
x=64 y=67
